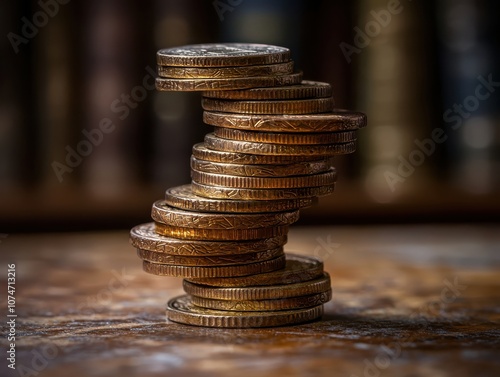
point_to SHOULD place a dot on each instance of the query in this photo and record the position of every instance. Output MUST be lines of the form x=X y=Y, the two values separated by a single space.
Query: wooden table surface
x=408 y=301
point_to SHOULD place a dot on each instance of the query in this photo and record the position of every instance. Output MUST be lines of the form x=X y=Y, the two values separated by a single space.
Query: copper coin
x=144 y=237
x=183 y=197
x=335 y=121
x=306 y=89
x=182 y=310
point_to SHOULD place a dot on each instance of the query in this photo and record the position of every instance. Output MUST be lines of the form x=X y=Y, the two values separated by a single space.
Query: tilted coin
x=220 y=234
x=335 y=121
x=181 y=309
x=191 y=85
x=313 y=180
x=298 y=268
x=198 y=272
x=296 y=106
x=201 y=152
x=289 y=303
x=321 y=284
x=222 y=55
x=286 y=137
x=183 y=197
x=213 y=260
x=259 y=194
x=225 y=72
x=248 y=147
x=163 y=213
x=300 y=168
x=306 y=89
x=145 y=237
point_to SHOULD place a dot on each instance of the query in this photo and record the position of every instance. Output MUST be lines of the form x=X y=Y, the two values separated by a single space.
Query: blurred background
x=426 y=73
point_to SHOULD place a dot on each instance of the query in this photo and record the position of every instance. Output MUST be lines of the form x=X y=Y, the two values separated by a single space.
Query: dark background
x=413 y=62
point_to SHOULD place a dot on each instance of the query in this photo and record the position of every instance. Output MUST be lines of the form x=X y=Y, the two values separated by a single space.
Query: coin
x=163 y=213
x=301 y=168
x=144 y=237
x=248 y=147
x=183 y=197
x=286 y=137
x=304 y=181
x=201 y=152
x=289 y=303
x=298 y=268
x=214 y=271
x=321 y=284
x=222 y=55
x=225 y=72
x=335 y=121
x=220 y=234
x=190 y=85
x=259 y=194
x=298 y=106
x=213 y=260
x=181 y=309
x=306 y=89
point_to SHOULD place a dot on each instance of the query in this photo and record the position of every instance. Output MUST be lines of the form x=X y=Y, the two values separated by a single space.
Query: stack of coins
x=270 y=154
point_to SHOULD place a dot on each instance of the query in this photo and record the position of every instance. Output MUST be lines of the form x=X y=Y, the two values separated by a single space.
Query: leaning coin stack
x=270 y=154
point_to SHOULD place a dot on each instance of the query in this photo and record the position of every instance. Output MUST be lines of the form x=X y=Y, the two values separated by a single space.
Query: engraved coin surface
x=313 y=180
x=183 y=197
x=297 y=169
x=145 y=237
x=222 y=55
x=220 y=234
x=212 y=260
x=306 y=89
x=163 y=213
x=225 y=72
x=197 y=272
x=248 y=147
x=298 y=268
x=289 y=303
x=298 y=106
x=181 y=309
x=318 y=285
x=192 y=85
x=335 y=121
x=286 y=137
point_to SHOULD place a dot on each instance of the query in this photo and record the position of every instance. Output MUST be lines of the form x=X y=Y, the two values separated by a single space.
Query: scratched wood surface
x=408 y=301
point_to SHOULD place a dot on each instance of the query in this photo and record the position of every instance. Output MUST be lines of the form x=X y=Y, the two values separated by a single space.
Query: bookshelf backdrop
x=86 y=142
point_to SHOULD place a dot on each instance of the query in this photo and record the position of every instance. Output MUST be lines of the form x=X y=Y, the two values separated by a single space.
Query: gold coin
x=208 y=261
x=335 y=121
x=314 y=180
x=301 y=168
x=285 y=137
x=201 y=152
x=181 y=309
x=144 y=237
x=298 y=268
x=225 y=72
x=197 y=272
x=306 y=89
x=163 y=213
x=183 y=197
x=259 y=194
x=191 y=85
x=297 y=106
x=220 y=234
x=289 y=303
x=306 y=288
x=222 y=55
x=248 y=147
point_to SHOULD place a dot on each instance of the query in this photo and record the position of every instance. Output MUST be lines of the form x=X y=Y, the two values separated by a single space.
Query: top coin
x=222 y=55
